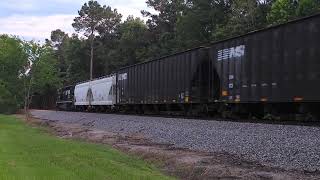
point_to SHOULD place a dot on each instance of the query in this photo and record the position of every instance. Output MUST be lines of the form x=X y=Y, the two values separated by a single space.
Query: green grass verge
x=30 y=153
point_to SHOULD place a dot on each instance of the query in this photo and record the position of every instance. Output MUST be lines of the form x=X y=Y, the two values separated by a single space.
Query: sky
x=35 y=19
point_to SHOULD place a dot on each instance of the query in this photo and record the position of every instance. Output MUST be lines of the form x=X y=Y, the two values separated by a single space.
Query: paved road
x=288 y=147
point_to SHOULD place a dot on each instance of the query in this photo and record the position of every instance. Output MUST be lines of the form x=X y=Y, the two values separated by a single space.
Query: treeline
x=27 y=69
x=177 y=25
x=30 y=71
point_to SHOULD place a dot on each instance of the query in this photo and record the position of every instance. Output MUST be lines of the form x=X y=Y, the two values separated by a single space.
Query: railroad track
x=219 y=117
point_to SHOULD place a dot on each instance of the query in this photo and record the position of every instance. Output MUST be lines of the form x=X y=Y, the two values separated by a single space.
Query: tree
x=243 y=16
x=199 y=21
x=26 y=68
x=46 y=78
x=42 y=75
x=282 y=11
x=58 y=42
x=76 y=53
x=13 y=62
x=107 y=42
x=307 y=7
x=58 y=36
x=90 y=16
x=162 y=26
x=94 y=18
x=110 y=23
x=132 y=40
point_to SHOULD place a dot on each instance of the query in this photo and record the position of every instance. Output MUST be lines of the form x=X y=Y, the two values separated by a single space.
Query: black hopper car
x=266 y=73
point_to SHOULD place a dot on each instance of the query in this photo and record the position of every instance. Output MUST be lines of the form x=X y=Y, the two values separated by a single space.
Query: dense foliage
x=13 y=59
x=112 y=43
x=27 y=70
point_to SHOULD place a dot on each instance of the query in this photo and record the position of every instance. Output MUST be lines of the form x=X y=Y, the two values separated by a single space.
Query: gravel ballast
x=284 y=146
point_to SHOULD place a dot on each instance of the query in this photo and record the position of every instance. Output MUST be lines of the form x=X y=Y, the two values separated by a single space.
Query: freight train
x=265 y=73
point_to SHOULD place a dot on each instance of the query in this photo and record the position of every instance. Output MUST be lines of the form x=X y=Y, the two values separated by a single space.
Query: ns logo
x=229 y=53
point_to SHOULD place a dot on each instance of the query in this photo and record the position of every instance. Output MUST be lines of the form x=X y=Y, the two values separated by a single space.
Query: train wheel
x=187 y=109
x=204 y=110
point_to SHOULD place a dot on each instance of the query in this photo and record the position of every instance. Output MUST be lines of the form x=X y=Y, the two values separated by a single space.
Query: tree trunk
x=28 y=99
x=91 y=57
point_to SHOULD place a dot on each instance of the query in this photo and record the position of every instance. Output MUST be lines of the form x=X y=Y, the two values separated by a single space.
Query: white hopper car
x=96 y=94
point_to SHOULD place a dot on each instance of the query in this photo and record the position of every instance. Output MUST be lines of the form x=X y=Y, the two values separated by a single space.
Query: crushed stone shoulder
x=285 y=146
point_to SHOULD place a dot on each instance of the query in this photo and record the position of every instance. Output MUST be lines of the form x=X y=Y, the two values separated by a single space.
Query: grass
x=30 y=153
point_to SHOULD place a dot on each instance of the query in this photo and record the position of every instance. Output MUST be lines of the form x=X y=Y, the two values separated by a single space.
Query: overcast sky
x=35 y=19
